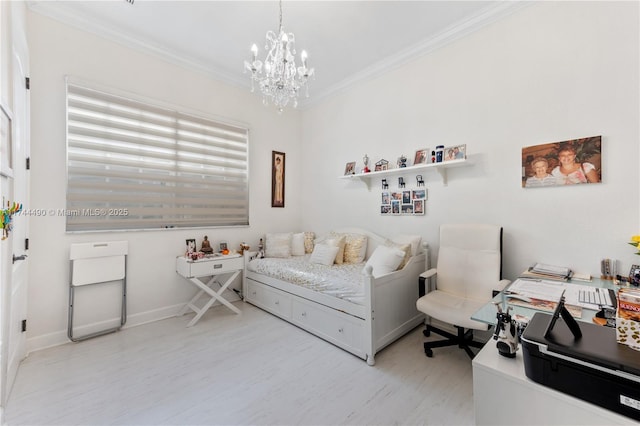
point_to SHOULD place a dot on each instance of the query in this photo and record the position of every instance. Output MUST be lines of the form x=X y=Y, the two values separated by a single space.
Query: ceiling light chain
x=278 y=77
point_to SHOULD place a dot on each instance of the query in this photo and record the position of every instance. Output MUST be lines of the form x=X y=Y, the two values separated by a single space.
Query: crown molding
x=499 y=10
x=449 y=35
x=58 y=12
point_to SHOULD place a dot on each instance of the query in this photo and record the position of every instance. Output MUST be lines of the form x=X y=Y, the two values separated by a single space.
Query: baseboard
x=60 y=337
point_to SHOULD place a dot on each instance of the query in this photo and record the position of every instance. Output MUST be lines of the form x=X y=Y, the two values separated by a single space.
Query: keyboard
x=593 y=297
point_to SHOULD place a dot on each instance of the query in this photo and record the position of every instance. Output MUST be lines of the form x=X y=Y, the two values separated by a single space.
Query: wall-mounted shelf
x=441 y=168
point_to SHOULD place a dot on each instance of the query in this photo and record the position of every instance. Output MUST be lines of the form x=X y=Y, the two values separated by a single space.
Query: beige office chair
x=468 y=271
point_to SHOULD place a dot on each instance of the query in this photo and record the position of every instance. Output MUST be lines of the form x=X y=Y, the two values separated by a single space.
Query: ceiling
x=347 y=41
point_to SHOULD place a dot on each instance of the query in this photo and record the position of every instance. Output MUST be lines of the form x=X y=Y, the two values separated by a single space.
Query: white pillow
x=414 y=240
x=324 y=254
x=337 y=242
x=297 y=244
x=406 y=248
x=385 y=260
x=278 y=245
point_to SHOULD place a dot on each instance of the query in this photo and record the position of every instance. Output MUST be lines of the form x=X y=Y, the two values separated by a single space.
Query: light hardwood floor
x=248 y=369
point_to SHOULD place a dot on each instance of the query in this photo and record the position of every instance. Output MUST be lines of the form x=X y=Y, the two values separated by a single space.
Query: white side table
x=212 y=268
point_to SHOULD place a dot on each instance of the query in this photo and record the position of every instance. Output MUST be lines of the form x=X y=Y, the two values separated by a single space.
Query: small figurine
x=366 y=164
x=243 y=247
x=206 y=246
x=402 y=161
x=506 y=333
x=260 y=249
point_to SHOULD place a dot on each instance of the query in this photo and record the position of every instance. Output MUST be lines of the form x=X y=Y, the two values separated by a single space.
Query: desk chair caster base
x=463 y=339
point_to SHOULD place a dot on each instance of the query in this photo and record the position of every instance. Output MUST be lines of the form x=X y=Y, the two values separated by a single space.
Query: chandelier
x=278 y=77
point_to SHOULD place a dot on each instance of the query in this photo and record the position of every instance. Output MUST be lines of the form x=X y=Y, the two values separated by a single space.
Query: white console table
x=212 y=269
x=504 y=395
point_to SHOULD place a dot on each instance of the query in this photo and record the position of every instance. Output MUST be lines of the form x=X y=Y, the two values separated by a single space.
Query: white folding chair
x=93 y=264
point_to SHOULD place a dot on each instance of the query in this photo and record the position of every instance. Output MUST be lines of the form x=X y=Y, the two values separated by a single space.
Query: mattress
x=342 y=281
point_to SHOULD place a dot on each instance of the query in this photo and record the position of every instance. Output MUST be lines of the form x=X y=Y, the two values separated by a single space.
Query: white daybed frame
x=388 y=313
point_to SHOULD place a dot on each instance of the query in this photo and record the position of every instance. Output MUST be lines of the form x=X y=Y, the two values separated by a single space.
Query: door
x=14 y=152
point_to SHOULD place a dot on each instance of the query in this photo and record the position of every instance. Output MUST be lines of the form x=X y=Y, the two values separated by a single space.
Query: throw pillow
x=297 y=244
x=308 y=241
x=355 y=248
x=384 y=260
x=337 y=242
x=414 y=240
x=278 y=245
x=324 y=254
x=406 y=248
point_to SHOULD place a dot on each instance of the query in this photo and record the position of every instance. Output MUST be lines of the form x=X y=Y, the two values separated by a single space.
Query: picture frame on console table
x=277 y=178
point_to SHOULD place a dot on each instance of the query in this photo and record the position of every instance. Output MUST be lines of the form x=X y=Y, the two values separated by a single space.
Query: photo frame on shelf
x=277 y=178
x=421 y=157
x=350 y=168
x=562 y=163
x=455 y=152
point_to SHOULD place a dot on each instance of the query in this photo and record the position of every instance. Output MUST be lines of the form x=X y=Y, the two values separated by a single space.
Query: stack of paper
x=548 y=272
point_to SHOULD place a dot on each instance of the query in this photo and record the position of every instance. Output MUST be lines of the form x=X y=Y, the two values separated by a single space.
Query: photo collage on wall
x=403 y=202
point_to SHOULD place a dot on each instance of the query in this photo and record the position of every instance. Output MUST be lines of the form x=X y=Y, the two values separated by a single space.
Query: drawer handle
x=218 y=266
x=340 y=330
x=253 y=293
x=277 y=302
x=304 y=314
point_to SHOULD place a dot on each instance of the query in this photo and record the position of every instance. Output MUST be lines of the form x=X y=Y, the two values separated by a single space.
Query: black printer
x=593 y=367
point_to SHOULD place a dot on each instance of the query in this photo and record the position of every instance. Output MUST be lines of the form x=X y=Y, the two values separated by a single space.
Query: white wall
x=552 y=71
x=154 y=288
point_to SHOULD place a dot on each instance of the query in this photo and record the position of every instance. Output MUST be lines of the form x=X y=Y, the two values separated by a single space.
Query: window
x=134 y=165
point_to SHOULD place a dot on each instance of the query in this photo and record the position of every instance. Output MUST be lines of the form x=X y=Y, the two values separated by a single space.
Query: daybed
x=353 y=306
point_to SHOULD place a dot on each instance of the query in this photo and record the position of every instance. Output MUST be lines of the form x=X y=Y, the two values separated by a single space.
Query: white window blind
x=132 y=165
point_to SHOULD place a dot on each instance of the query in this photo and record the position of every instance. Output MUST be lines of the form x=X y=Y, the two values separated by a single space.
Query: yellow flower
x=635 y=241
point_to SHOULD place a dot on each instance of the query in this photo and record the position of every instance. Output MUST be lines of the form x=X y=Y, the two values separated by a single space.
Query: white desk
x=212 y=268
x=504 y=395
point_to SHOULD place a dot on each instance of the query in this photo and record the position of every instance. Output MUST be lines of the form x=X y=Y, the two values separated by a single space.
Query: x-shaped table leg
x=215 y=296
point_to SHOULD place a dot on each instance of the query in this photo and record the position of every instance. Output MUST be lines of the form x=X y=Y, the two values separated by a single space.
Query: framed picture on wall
x=562 y=163
x=277 y=178
x=418 y=207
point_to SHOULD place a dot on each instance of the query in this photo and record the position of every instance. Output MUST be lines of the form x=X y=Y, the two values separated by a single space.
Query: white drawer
x=206 y=267
x=326 y=323
x=272 y=300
